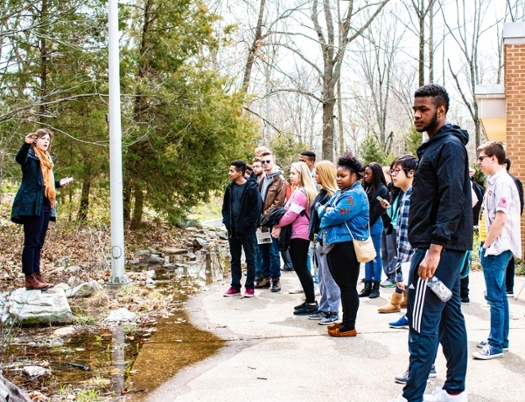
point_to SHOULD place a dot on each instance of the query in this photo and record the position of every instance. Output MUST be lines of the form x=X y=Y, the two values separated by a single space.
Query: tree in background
x=413 y=140
x=370 y=151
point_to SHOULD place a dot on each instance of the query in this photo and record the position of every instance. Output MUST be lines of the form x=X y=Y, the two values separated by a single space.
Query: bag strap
x=351 y=235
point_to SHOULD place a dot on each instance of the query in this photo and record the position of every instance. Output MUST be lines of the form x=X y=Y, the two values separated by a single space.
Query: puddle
x=129 y=359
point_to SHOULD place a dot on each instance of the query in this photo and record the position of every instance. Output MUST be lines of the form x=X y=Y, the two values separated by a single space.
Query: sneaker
x=388 y=283
x=287 y=268
x=482 y=344
x=296 y=291
x=232 y=292
x=487 y=353
x=510 y=293
x=402 y=323
x=317 y=316
x=307 y=309
x=329 y=319
x=465 y=300
x=440 y=395
x=403 y=378
x=400 y=398
x=249 y=292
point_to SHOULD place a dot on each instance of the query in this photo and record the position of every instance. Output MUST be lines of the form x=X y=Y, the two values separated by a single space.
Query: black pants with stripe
x=432 y=321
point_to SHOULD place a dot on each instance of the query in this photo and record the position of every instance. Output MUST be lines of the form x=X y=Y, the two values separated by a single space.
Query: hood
x=447 y=129
x=273 y=174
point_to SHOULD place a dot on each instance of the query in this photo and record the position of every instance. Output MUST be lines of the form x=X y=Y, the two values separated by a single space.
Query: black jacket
x=30 y=196
x=376 y=210
x=249 y=212
x=315 y=222
x=441 y=202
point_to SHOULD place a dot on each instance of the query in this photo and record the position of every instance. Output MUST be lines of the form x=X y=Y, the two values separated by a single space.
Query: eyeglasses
x=395 y=171
x=264 y=162
x=480 y=158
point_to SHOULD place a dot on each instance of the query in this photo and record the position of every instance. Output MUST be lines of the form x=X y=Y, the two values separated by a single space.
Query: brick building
x=502 y=107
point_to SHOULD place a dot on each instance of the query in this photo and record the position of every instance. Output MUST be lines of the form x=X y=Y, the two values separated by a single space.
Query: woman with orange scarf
x=34 y=204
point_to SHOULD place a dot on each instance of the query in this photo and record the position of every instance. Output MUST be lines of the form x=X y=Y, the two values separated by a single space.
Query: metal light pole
x=118 y=276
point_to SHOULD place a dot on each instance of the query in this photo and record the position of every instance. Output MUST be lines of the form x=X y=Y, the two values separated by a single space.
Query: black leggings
x=299 y=255
x=344 y=268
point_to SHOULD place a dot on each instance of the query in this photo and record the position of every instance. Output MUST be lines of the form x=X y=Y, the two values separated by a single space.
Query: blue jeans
x=494 y=271
x=247 y=244
x=374 y=268
x=35 y=229
x=270 y=260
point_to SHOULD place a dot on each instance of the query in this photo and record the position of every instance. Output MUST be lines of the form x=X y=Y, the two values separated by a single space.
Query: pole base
x=118 y=280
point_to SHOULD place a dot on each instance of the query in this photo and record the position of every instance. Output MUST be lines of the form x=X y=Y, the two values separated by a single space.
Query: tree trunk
x=139 y=208
x=256 y=44
x=328 y=122
x=421 y=50
x=84 y=201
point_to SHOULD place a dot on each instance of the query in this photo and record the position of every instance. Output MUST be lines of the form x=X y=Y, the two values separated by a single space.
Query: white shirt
x=502 y=195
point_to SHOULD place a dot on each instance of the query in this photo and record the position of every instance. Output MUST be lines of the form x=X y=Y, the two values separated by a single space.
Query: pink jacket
x=298 y=203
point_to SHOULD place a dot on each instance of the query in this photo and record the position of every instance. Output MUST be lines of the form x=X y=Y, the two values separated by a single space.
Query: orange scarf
x=46 y=164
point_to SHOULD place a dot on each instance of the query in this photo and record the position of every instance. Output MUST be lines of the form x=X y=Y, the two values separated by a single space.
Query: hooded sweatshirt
x=441 y=202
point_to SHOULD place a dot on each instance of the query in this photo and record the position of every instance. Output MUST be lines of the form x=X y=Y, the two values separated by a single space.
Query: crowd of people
x=419 y=214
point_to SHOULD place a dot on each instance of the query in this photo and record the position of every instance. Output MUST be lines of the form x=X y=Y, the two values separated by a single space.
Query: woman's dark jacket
x=30 y=196
x=376 y=210
x=250 y=210
x=315 y=222
x=441 y=202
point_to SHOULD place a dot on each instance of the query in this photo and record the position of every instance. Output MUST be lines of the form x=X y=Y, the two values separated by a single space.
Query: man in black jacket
x=240 y=214
x=440 y=229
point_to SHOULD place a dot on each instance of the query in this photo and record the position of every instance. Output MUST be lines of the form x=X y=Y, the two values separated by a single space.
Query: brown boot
x=39 y=278
x=403 y=303
x=393 y=306
x=33 y=283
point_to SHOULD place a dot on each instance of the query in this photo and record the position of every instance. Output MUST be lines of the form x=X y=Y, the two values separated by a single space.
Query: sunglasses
x=264 y=162
x=480 y=158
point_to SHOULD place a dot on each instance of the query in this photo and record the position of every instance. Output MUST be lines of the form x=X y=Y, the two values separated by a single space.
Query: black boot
x=366 y=290
x=375 y=290
x=276 y=287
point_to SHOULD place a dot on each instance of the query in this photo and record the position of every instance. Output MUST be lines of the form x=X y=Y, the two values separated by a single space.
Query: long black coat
x=30 y=196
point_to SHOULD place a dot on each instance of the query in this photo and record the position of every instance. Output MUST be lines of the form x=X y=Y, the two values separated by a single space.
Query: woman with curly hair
x=344 y=218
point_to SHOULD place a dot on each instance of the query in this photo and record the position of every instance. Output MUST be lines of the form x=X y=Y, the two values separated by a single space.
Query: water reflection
x=123 y=358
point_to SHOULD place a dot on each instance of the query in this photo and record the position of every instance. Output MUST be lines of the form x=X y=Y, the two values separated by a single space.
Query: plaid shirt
x=404 y=249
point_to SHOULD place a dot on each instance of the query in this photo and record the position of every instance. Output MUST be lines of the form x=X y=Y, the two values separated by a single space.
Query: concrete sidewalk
x=275 y=356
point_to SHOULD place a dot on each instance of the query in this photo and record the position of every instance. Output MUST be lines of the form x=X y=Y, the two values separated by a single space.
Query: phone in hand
x=378 y=198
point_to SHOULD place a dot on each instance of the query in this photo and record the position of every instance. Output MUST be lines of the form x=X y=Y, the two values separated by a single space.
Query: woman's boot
x=375 y=290
x=39 y=278
x=393 y=306
x=366 y=290
x=403 y=303
x=32 y=283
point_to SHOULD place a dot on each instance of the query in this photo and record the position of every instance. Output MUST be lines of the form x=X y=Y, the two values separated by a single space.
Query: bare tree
x=467 y=31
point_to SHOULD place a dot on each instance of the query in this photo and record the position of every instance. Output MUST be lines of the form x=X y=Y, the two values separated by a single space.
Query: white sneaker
x=296 y=291
x=400 y=398
x=440 y=395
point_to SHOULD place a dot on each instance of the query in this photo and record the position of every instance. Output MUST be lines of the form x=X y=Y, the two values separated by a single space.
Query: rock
x=150 y=281
x=72 y=281
x=37 y=307
x=155 y=259
x=185 y=224
x=192 y=257
x=121 y=315
x=150 y=274
x=85 y=289
x=34 y=371
x=64 y=332
x=62 y=262
x=223 y=236
x=152 y=250
x=73 y=269
x=4 y=275
x=142 y=253
x=10 y=392
x=173 y=250
x=199 y=242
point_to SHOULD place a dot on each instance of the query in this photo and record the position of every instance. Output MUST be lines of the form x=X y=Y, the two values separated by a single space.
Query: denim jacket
x=348 y=207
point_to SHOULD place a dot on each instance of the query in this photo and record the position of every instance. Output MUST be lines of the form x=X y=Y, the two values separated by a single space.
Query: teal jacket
x=349 y=207
x=30 y=196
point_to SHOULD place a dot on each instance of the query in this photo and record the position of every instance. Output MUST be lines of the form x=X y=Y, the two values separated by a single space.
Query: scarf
x=46 y=164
